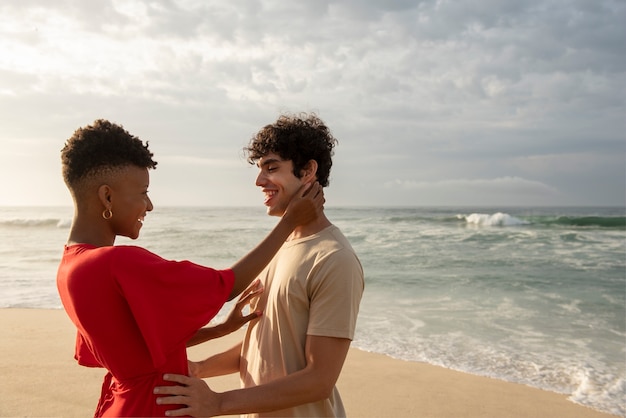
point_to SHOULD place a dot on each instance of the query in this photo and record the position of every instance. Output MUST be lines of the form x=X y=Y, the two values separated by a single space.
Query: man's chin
x=271 y=211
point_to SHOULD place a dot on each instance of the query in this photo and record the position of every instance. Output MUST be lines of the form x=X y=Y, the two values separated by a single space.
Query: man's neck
x=311 y=228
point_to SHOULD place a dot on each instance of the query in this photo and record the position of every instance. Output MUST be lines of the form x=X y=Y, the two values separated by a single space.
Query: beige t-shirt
x=313 y=286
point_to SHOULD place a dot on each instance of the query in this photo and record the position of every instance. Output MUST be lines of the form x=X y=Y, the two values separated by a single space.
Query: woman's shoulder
x=131 y=251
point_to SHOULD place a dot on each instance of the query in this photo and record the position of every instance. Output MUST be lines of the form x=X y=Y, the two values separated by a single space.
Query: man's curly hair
x=299 y=138
x=99 y=147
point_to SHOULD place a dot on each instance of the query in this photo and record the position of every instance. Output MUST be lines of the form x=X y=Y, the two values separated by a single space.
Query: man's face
x=277 y=182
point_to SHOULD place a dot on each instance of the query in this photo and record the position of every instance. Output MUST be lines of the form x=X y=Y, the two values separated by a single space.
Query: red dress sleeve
x=83 y=354
x=170 y=300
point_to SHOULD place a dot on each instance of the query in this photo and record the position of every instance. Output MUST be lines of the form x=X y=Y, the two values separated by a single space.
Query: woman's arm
x=302 y=209
x=235 y=320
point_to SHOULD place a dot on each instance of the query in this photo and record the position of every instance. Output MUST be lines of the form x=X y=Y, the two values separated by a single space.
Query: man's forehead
x=268 y=159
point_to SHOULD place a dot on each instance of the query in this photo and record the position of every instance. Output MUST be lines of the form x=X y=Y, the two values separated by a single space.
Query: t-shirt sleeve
x=170 y=300
x=335 y=295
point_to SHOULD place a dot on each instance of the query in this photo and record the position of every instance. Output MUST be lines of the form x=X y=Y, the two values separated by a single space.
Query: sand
x=39 y=378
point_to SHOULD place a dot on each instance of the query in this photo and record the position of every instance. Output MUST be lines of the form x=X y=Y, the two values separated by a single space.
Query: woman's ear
x=104 y=195
x=309 y=172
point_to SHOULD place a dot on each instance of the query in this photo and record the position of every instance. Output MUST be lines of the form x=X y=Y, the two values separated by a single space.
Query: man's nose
x=260 y=179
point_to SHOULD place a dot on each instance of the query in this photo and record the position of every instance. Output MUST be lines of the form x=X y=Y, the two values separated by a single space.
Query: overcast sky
x=478 y=103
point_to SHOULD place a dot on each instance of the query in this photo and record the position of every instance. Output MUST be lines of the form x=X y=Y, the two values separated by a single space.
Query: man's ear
x=309 y=172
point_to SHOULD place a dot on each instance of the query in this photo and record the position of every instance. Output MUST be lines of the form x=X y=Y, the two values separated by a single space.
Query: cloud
x=503 y=191
x=185 y=160
x=429 y=90
x=478 y=186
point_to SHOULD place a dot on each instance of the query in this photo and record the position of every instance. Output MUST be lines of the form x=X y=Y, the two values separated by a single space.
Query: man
x=291 y=356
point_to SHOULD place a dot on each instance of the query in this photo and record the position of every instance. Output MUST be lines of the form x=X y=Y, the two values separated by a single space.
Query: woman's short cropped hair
x=100 y=147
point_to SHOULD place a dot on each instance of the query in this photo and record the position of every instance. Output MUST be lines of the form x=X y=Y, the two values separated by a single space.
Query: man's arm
x=325 y=357
x=226 y=362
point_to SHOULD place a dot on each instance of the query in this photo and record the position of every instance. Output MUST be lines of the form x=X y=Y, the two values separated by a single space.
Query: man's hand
x=195 y=394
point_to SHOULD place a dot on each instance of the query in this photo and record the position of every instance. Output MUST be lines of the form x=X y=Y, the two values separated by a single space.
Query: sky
x=434 y=103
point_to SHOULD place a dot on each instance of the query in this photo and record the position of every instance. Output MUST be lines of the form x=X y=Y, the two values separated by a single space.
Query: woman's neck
x=90 y=231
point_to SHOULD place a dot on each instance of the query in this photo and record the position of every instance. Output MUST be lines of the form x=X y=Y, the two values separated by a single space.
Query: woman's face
x=129 y=201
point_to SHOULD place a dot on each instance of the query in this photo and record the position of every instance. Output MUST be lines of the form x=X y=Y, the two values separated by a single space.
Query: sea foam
x=496 y=219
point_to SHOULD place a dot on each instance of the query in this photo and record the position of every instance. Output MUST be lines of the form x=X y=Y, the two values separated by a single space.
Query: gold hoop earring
x=107 y=214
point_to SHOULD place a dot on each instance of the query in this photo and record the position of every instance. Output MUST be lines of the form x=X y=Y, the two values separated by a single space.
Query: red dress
x=134 y=312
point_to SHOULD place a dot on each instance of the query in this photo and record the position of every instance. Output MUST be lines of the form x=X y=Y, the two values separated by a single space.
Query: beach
x=41 y=378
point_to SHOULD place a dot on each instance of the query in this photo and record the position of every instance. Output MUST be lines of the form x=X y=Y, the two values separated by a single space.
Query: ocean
x=529 y=295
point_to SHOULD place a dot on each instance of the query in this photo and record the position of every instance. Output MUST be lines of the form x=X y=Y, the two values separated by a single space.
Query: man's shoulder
x=334 y=247
x=335 y=236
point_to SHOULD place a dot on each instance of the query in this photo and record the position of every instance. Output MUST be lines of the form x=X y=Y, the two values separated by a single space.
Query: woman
x=135 y=311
